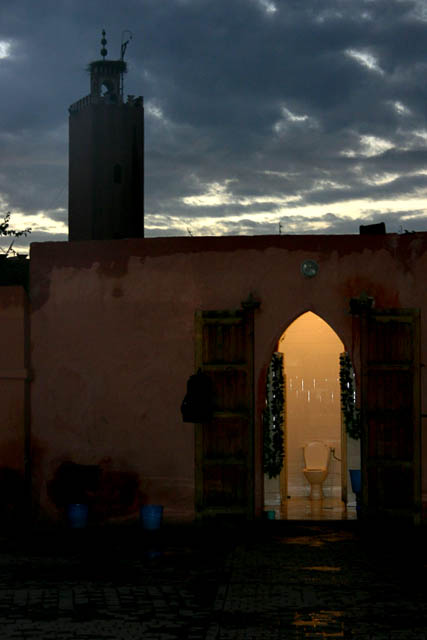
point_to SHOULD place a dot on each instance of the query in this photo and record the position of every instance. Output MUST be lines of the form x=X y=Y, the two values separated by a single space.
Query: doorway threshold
x=313 y=510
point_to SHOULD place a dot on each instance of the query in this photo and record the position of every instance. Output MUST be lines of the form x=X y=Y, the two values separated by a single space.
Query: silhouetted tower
x=106 y=157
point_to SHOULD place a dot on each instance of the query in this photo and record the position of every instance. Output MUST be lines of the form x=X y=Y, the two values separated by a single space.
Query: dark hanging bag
x=197 y=404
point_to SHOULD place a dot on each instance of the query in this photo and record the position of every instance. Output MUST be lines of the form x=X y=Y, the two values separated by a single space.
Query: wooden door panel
x=388 y=439
x=390 y=340
x=223 y=340
x=225 y=489
x=224 y=446
x=390 y=390
x=226 y=438
x=230 y=389
x=390 y=405
x=394 y=489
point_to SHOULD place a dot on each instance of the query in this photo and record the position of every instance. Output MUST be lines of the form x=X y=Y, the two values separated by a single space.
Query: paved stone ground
x=323 y=582
x=271 y=580
x=88 y=585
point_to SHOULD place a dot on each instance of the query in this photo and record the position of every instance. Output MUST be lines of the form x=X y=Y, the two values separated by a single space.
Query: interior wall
x=311 y=352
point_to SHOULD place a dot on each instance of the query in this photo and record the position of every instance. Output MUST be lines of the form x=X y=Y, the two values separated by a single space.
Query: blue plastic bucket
x=356 y=480
x=77 y=515
x=151 y=516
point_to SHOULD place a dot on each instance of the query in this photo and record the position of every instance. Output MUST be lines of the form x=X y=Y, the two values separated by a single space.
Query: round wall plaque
x=309 y=268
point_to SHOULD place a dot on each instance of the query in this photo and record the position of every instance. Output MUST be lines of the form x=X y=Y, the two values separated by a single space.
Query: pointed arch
x=310 y=321
x=282 y=330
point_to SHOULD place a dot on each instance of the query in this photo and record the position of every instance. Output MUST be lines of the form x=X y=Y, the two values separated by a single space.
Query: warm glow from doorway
x=311 y=351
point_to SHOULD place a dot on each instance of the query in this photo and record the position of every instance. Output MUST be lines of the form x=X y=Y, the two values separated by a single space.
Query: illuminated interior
x=313 y=408
x=311 y=351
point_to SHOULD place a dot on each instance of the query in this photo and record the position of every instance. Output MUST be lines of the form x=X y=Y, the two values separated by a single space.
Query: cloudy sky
x=261 y=116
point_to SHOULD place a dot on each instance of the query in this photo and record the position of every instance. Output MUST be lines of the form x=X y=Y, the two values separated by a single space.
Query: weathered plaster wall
x=14 y=399
x=113 y=337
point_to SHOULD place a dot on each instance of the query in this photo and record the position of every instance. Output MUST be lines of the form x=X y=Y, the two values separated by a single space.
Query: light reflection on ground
x=302 y=508
x=321 y=568
x=322 y=622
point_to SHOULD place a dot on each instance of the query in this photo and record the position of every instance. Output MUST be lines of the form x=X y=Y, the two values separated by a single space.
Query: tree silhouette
x=5 y=230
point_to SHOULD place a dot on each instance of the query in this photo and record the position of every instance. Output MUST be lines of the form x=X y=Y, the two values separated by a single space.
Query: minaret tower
x=106 y=157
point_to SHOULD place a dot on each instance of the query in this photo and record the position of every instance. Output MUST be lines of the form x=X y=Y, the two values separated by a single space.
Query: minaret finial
x=125 y=44
x=103 y=43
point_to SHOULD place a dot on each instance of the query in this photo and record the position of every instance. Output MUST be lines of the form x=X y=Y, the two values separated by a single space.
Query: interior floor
x=306 y=509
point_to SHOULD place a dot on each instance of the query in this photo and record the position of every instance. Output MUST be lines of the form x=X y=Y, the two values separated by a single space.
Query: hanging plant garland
x=348 y=398
x=273 y=418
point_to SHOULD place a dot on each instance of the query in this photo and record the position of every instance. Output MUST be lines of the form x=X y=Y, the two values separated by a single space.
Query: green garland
x=348 y=398
x=272 y=418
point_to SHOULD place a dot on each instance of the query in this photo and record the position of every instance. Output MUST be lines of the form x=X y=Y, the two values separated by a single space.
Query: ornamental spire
x=103 y=43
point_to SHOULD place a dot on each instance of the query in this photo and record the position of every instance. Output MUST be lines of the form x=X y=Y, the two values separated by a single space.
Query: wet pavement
x=266 y=580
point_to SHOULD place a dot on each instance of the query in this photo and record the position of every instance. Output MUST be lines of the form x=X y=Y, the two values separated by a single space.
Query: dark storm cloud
x=268 y=104
x=409 y=185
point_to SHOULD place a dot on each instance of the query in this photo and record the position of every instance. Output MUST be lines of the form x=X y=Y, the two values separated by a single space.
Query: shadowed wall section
x=109 y=493
x=14 y=409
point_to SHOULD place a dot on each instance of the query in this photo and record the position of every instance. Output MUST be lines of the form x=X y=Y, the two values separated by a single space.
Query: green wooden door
x=224 y=446
x=390 y=404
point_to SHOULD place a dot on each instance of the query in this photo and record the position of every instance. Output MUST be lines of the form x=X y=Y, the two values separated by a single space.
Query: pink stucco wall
x=14 y=405
x=13 y=374
x=112 y=334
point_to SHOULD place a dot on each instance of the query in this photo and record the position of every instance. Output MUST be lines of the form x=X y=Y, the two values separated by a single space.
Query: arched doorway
x=312 y=412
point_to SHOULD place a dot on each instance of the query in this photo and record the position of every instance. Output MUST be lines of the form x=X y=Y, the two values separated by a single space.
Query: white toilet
x=316 y=456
